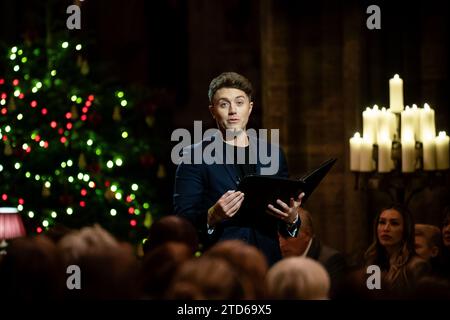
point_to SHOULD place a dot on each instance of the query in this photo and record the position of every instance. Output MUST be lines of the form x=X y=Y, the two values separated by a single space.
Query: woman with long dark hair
x=393 y=249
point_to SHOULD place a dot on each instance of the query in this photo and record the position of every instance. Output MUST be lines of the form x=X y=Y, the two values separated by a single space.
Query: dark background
x=314 y=64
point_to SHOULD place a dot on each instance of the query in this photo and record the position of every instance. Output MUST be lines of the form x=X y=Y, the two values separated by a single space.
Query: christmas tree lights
x=69 y=153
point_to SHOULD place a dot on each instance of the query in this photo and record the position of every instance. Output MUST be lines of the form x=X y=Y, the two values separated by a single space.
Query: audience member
x=109 y=268
x=57 y=232
x=31 y=270
x=250 y=264
x=427 y=241
x=307 y=244
x=160 y=265
x=207 y=278
x=171 y=228
x=393 y=250
x=428 y=244
x=298 y=278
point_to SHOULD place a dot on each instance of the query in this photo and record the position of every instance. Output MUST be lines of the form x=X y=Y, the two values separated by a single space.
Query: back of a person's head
x=250 y=263
x=206 y=278
x=298 y=278
x=109 y=267
x=31 y=270
x=171 y=229
x=107 y=275
x=160 y=265
x=57 y=232
x=88 y=240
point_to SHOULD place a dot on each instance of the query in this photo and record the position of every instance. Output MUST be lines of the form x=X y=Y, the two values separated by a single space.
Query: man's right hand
x=226 y=207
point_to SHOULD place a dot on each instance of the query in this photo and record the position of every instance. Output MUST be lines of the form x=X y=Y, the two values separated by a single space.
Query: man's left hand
x=287 y=213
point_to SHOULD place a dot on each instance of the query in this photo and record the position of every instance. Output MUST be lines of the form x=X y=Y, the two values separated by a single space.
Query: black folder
x=261 y=190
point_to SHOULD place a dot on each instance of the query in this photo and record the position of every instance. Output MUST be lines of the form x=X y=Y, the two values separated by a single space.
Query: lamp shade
x=11 y=225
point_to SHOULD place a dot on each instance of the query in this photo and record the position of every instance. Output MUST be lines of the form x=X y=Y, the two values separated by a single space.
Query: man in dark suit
x=307 y=244
x=205 y=192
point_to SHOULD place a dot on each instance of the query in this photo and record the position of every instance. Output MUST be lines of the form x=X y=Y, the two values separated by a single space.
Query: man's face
x=231 y=109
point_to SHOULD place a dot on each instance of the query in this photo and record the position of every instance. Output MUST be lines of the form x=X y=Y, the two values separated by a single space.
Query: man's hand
x=287 y=213
x=226 y=207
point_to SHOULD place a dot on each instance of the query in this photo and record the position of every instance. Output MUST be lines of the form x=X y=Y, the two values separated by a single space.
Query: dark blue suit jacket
x=199 y=186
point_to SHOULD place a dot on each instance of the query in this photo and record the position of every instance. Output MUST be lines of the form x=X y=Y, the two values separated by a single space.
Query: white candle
x=407 y=123
x=384 y=125
x=369 y=125
x=427 y=125
x=366 y=162
x=384 y=155
x=442 y=148
x=376 y=118
x=393 y=125
x=429 y=153
x=408 y=153
x=355 y=149
x=416 y=121
x=396 y=94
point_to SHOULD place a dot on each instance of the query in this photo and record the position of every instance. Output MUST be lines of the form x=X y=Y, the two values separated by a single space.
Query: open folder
x=261 y=190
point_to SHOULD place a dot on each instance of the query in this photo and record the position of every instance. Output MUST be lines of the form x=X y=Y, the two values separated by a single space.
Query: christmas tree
x=72 y=146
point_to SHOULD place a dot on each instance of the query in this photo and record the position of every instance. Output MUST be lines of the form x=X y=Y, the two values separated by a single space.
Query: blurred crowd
x=412 y=260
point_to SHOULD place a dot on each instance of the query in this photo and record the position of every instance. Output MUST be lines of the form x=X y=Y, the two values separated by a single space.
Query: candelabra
x=401 y=186
x=399 y=151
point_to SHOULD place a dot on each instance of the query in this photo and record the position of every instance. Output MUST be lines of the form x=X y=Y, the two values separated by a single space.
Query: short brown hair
x=230 y=80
